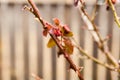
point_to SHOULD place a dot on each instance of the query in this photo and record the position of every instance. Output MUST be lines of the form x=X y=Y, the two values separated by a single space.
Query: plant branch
x=66 y=55
x=91 y=57
x=96 y=35
x=94 y=12
x=114 y=13
x=36 y=12
x=36 y=77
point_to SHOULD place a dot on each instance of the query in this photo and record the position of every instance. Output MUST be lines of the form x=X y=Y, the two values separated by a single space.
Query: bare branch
x=36 y=77
x=66 y=55
x=96 y=35
x=114 y=13
x=92 y=58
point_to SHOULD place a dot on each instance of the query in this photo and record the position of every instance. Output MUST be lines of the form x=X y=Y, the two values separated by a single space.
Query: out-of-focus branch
x=94 y=11
x=95 y=34
x=35 y=11
x=114 y=13
x=91 y=57
x=36 y=77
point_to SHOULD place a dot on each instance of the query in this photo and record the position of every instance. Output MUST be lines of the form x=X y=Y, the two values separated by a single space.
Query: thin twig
x=91 y=57
x=96 y=35
x=94 y=12
x=36 y=12
x=66 y=55
x=36 y=77
x=114 y=13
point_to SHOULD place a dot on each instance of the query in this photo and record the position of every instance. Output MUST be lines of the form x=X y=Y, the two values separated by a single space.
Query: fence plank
x=32 y=46
x=60 y=63
x=115 y=48
x=76 y=30
x=101 y=71
x=39 y=44
x=5 y=37
x=88 y=63
x=47 y=55
x=88 y=46
x=0 y=45
x=19 y=43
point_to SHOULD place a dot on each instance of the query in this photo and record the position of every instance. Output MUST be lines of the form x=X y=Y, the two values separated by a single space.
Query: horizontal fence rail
x=23 y=49
x=47 y=1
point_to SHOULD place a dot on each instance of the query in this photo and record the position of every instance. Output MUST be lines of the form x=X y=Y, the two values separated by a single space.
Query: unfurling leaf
x=114 y=1
x=57 y=32
x=45 y=32
x=66 y=31
x=66 y=28
x=76 y=2
x=51 y=43
x=47 y=28
x=68 y=46
x=56 y=21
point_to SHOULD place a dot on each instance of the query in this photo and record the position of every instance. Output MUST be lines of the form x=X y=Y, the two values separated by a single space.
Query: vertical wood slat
x=54 y=14
x=75 y=29
x=88 y=70
x=32 y=47
x=19 y=43
x=0 y=45
x=115 y=49
x=12 y=46
x=47 y=55
x=25 y=29
x=39 y=45
x=88 y=46
x=101 y=71
x=5 y=37
x=60 y=63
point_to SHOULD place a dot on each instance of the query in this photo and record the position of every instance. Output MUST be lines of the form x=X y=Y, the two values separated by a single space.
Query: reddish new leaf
x=68 y=46
x=45 y=32
x=66 y=28
x=66 y=31
x=47 y=28
x=56 y=21
x=57 y=32
x=76 y=2
x=113 y=1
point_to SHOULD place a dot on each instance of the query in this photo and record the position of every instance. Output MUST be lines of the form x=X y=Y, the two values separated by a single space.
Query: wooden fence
x=23 y=49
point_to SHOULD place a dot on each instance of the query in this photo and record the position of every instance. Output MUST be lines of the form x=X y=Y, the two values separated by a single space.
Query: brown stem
x=36 y=12
x=96 y=35
x=92 y=58
x=114 y=13
x=36 y=77
x=68 y=58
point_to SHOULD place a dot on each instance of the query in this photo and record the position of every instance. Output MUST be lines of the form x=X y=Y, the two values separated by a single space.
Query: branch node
x=36 y=77
x=80 y=68
x=28 y=8
x=107 y=38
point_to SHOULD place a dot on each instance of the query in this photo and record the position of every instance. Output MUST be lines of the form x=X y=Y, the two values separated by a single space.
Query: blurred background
x=23 y=49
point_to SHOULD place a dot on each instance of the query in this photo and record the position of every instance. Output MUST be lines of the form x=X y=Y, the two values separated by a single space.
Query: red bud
x=113 y=1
